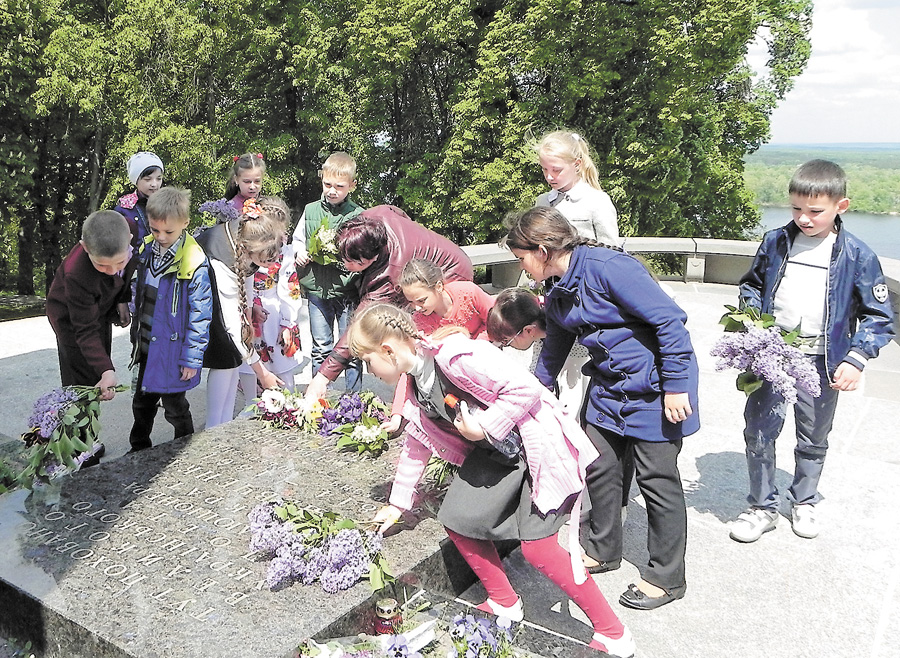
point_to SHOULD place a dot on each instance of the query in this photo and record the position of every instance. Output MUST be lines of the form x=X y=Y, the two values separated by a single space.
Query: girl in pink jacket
x=526 y=496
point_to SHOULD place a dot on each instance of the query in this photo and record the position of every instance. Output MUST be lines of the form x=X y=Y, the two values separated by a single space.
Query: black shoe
x=603 y=566
x=138 y=448
x=636 y=599
x=94 y=459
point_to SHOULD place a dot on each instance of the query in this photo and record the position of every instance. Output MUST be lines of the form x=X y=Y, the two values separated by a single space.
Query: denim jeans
x=764 y=416
x=322 y=315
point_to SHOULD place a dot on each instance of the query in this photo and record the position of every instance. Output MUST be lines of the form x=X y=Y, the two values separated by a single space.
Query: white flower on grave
x=363 y=434
x=273 y=400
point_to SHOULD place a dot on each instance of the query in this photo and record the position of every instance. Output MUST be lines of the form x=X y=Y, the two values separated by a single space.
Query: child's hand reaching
x=124 y=315
x=386 y=517
x=392 y=424
x=466 y=424
x=187 y=373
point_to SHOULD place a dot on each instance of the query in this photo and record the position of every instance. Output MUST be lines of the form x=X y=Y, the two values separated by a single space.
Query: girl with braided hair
x=272 y=293
x=461 y=397
x=261 y=229
x=642 y=393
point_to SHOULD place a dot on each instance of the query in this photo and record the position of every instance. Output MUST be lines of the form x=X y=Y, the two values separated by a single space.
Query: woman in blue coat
x=642 y=395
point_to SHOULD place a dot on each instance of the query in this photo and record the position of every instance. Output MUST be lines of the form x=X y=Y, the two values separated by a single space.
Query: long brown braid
x=262 y=233
x=543 y=226
x=373 y=324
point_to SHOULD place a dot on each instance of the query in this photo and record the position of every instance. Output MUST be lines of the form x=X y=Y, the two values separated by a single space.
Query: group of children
x=615 y=350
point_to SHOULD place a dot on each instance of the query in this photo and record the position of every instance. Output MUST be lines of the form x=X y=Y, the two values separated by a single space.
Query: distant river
x=881 y=232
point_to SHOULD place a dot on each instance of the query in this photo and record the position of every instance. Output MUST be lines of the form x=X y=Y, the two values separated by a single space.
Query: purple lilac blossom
x=347 y=561
x=268 y=538
x=349 y=409
x=222 y=210
x=279 y=572
x=764 y=353
x=317 y=559
x=49 y=410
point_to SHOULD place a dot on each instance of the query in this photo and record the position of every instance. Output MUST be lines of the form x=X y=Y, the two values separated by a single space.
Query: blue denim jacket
x=858 y=314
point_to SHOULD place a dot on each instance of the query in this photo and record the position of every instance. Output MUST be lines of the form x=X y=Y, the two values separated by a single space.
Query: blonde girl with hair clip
x=260 y=230
x=462 y=398
x=565 y=159
x=273 y=294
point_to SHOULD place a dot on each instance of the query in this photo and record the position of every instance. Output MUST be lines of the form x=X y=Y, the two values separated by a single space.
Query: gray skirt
x=490 y=498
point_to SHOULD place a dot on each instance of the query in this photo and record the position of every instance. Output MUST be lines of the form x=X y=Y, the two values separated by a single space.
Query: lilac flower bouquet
x=65 y=424
x=308 y=547
x=356 y=418
x=221 y=210
x=754 y=344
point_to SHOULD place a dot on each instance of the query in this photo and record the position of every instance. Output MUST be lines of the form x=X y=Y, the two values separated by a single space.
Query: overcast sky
x=850 y=89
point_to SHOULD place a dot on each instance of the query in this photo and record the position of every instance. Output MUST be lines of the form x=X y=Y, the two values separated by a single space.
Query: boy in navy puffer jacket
x=173 y=308
x=814 y=275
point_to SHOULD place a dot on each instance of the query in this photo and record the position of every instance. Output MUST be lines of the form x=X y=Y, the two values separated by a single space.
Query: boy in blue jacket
x=173 y=308
x=814 y=275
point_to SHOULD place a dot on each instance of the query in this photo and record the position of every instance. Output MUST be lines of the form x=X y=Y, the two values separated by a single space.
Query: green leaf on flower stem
x=343 y=442
x=748 y=382
x=79 y=445
x=95 y=427
x=376 y=578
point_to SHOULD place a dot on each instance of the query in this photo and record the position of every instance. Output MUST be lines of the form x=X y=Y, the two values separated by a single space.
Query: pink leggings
x=548 y=557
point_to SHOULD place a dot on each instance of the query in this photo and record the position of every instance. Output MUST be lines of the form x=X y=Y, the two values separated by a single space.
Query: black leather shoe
x=636 y=599
x=602 y=566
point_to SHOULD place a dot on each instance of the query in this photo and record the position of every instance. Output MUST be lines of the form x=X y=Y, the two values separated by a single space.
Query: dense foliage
x=873 y=174
x=435 y=98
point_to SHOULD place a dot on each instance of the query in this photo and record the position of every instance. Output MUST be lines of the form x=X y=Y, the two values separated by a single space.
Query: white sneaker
x=752 y=524
x=515 y=612
x=804 y=522
x=622 y=648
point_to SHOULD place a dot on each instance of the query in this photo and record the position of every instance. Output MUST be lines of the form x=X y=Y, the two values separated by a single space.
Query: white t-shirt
x=800 y=297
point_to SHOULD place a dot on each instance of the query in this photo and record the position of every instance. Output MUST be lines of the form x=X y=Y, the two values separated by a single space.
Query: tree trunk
x=94 y=199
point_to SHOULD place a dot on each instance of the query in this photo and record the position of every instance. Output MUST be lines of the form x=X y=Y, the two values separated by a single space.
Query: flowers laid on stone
x=355 y=418
x=482 y=637
x=309 y=547
x=323 y=246
x=65 y=425
x=755 y=345
x=288 y=411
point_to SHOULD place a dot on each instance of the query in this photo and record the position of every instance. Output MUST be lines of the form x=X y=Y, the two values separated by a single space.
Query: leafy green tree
x=436 y=99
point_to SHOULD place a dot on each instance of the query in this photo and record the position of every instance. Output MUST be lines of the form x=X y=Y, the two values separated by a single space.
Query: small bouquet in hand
x=356 y=418
x=65 y=425
x=754 y=344
x=286 y=410
x=323 y=246
x=308 y=546
x=222 y=211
